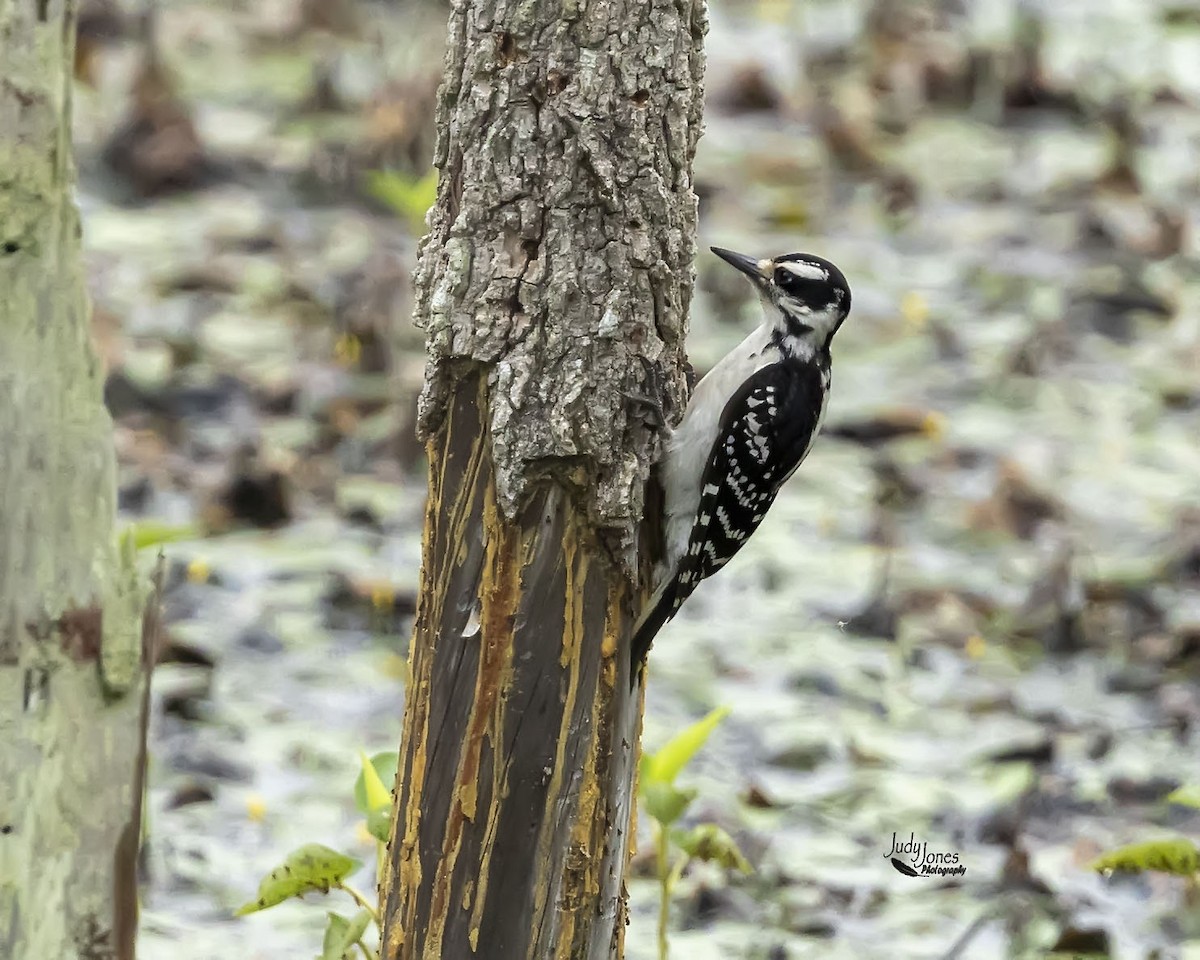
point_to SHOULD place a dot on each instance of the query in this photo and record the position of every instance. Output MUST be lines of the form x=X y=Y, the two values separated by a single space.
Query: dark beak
x=748 y=265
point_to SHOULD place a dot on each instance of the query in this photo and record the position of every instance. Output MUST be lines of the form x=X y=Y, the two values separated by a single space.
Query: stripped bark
x=72 y=641
x=553 y=287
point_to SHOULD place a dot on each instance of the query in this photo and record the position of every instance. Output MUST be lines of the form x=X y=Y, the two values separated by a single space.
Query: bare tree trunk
x=72 y=670
x=554 y=288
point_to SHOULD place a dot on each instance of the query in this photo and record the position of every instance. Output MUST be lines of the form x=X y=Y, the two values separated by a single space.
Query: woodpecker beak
x=756 y=270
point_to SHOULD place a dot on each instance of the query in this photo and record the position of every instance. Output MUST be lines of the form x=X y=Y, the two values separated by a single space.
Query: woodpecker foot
x=651 y=409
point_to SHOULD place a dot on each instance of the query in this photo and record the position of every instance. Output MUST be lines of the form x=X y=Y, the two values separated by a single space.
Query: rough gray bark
x=560 y=250
x=553 y=287
x=72 y=670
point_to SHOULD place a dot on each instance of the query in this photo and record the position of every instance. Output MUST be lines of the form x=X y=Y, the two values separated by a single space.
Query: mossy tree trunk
x=72 y=667
x=553 y=287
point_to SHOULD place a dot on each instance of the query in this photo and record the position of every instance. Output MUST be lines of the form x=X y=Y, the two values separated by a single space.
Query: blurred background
x=974 y=614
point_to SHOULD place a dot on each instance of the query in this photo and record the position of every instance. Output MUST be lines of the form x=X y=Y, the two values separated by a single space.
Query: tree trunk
x=553 y=287
x=72 y=669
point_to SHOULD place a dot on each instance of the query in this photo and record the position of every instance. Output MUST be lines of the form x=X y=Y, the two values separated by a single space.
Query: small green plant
x=666 y=803
x=1176 y=855
x=410 y=197
x=314 y=868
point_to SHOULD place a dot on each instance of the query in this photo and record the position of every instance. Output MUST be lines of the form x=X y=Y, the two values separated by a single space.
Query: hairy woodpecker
x=749 y=425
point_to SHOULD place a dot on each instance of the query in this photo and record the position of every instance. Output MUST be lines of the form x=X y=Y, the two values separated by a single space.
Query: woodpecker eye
x=807 y=289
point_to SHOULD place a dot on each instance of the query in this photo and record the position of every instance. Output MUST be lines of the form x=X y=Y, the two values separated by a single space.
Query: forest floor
x=974 y=614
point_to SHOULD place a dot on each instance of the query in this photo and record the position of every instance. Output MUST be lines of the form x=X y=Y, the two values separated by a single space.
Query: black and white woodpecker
x=749 y=424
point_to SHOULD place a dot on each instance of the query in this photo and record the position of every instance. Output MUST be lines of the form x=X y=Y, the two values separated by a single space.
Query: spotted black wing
x=767 y=428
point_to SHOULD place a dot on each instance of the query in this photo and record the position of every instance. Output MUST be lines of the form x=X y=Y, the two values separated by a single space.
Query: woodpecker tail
x=658 y=611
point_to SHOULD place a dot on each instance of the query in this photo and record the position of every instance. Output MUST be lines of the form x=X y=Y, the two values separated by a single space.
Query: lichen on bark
x=72 y=658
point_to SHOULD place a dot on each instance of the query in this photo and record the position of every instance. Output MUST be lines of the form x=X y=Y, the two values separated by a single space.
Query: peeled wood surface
x=513 y=733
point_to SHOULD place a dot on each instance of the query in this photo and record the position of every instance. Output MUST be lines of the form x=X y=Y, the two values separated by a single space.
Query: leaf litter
x=971 y=617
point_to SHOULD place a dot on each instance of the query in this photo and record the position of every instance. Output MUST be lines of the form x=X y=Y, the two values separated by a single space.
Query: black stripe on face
x=795 y=326
x=814 y=293
x=813 y=281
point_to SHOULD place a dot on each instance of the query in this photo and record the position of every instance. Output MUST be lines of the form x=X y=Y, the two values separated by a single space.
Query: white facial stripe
x=819 y=320
x=795 y=307
x=805 y=270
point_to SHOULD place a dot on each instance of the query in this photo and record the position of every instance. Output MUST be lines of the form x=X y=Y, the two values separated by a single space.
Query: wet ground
x=974 y=614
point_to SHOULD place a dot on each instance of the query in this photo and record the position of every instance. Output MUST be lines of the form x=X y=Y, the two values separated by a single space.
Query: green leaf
x=373 y=788
x=666 y=802
x=1186 y=796
x=379 y=824
x=410 y=197
x=710 y=843
x=1176 y=855
x=342 y=934
x=153 y=533
x=311 y=867
x=664 y=766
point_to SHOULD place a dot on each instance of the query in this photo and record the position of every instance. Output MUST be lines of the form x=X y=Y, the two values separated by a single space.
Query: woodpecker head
x=805 y=298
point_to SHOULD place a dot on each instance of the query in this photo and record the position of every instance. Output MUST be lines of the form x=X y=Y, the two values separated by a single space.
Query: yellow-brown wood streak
x=576 y=565
x=476 y=903
x=615 y=620
x=416 y=707
x=500 y=593
x=408 y=873
x=450 y=544
x=580 y=883
x=446 y=527
x=500 y=766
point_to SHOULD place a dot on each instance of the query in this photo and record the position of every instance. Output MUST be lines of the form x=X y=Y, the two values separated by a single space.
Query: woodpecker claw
x=655 y=414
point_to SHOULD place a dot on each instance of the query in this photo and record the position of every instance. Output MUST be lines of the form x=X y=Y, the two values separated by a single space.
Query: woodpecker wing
x=765 y=432
x=767 y=428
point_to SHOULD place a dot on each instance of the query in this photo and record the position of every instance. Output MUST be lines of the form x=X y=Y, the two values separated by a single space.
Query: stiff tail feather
x=658 y=611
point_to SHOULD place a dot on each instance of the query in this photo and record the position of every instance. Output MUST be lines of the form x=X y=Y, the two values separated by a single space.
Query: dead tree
x=553 y=287
x=72 y=669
